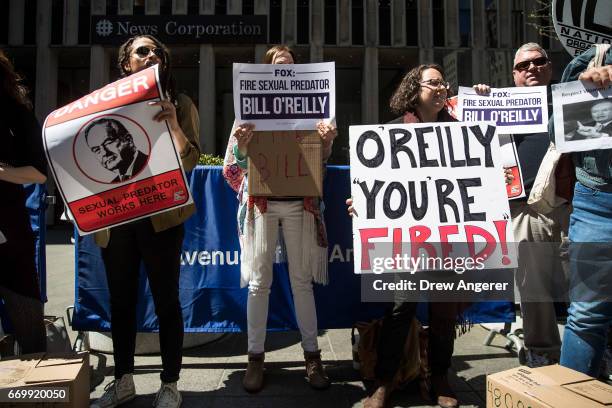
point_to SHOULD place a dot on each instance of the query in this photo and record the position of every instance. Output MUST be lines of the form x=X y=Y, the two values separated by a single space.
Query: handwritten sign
x=425 y=189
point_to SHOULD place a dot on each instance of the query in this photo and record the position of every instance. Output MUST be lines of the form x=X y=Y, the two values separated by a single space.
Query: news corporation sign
x=582 y=23
x=192 y=29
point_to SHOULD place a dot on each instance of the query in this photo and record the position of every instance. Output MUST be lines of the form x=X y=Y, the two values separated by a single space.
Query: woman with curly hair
x=22 y=161
x=421 y=97
x=156 y=241
x=301 y=219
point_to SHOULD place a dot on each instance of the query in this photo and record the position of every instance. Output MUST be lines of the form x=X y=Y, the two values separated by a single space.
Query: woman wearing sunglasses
x=156 y=241
x=306 y=242
x=421 y=97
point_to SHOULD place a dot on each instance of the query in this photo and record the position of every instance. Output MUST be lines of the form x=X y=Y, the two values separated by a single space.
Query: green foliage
x=210 y=160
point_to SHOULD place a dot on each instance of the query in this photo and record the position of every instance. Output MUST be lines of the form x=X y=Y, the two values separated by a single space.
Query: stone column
x=398 y=23
x=480 y=70
x=99 y=59
x=316 y=30
x=71 y=22
x=179 y=7
x=344 y=22
x=451 y=23
x=16 y=19
x=289 y=23
x=262 y=8
x=153 y=7
x=125 y=7
x=425 y=32
x=234 y=7
x=206 y=89
x=369 y=101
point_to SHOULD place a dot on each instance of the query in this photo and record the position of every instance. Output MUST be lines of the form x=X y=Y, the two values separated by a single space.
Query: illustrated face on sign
x=531 y=68
x=282 y=57
x=602 y=112
x=433 y=90
x=144 y=53
x=112 y=144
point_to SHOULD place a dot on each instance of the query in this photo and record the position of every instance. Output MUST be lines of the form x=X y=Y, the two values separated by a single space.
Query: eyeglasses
x=524 y=65
x=143 y=51
x=436 y=83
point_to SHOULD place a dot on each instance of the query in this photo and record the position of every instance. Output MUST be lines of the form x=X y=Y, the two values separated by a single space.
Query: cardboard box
x=546 y=387
x=51 y=370
x=286 y=164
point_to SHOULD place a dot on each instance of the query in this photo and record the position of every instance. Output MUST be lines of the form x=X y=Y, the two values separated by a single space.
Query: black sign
x=199 y=29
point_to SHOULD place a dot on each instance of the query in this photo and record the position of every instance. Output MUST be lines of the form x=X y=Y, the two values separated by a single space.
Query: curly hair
x=406 y=96
x=11 y=86
x=165 y=74
x=269 y=56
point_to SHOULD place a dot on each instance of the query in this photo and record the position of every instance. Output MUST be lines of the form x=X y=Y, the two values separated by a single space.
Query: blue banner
x=210 y=292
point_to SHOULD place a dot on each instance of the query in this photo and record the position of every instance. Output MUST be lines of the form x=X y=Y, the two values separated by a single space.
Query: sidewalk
x=212 y=374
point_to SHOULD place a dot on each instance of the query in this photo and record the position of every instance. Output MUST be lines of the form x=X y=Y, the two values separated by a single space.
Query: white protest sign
x=515 y=110
x=284 y=97
x=579 y=24
x=436 y=188
x=111 y=162
x=582 y=114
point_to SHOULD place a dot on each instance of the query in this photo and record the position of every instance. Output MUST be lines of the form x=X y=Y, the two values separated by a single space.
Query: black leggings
x=26 y=316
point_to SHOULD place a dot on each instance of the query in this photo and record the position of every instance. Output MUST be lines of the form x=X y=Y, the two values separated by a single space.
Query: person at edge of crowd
x=420 y=97
x=22 y=161
x=541 y=276
x=590 y=235
x=305 y=238
x=156 y=240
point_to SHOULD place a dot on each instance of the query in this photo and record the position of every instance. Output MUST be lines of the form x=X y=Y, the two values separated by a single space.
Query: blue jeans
x=590 y=312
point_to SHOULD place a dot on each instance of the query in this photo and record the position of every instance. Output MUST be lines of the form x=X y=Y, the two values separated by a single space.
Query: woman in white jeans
x=305 y=239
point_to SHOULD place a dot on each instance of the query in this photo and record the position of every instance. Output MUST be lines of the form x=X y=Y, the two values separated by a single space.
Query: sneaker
x=117 y=392
x=168 y=396
x=535 y=359
x=253 y=380
x=314 y=370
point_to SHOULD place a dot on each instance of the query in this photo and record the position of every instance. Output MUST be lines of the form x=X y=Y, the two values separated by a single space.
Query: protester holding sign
x=542 y=273
x=22 y=161
x=156 y=240
x=590 y=234
x=306 y=242
x=420 y=97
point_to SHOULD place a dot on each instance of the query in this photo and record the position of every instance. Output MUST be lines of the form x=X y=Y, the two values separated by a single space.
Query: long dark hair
x=406 y=96
x=11 y=83
x=165 y=73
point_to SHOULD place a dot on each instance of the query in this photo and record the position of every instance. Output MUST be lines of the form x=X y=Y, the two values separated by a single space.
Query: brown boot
x=314 y=370
x=380 y=396
x=442 y=391
x=254 y=377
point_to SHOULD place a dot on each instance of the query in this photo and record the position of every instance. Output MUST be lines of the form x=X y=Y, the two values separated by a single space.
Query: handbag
x=554 y=183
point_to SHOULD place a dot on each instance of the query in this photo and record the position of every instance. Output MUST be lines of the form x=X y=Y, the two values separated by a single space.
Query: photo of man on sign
x=595 y=120
x=113 y=145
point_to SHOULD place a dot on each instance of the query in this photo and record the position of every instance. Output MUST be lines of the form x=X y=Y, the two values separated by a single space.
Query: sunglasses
x=436 y=83
x=524 y=65
x=143 y=51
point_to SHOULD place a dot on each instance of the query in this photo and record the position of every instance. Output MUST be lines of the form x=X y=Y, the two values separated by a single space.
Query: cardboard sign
x=515 y=110
x=285 y=164
x=418 y=188
x=111 y=162
x=284 y=97
x=581 y=24
x=582 y=114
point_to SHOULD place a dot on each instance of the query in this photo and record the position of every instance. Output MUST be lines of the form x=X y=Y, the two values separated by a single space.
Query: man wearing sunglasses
x=541 y=276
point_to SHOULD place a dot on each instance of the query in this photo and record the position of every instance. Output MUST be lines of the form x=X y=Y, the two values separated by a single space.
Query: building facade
x=373 y=43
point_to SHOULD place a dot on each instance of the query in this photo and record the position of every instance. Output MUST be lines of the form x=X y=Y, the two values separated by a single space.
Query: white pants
x=289 y=214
